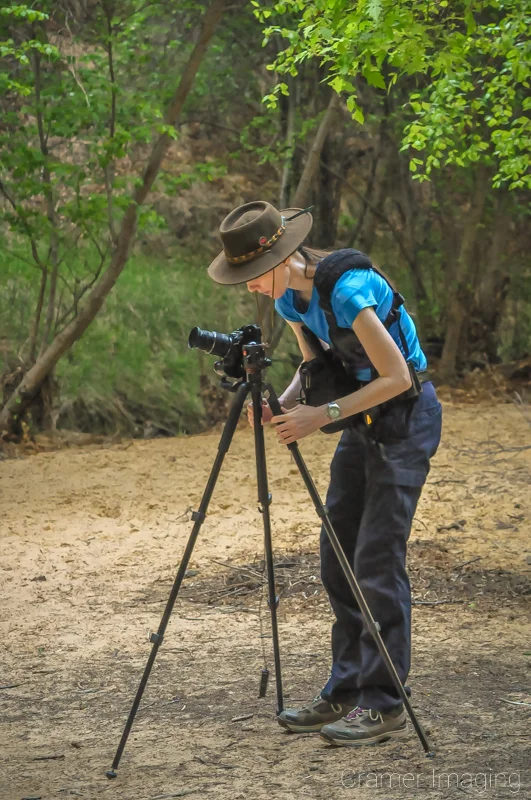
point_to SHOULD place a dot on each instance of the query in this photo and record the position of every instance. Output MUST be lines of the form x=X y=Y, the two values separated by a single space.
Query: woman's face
x=273 y=284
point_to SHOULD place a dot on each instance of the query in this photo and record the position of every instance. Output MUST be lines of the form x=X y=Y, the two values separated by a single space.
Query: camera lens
x=219 y=344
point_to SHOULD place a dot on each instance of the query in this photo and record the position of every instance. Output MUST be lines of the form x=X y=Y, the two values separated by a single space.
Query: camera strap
x=313 y=341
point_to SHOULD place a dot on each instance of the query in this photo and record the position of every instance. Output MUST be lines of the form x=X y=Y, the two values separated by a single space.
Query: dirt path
x=90 y=542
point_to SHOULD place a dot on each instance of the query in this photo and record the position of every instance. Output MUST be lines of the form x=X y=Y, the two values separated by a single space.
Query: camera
x=229 y=346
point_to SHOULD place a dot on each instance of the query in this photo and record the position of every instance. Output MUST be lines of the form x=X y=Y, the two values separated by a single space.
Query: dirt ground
x=91 y=538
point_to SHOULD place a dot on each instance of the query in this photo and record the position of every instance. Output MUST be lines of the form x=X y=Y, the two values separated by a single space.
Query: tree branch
x=53 y=252
x=108 y=10
x=23 y=221
x=37 y=317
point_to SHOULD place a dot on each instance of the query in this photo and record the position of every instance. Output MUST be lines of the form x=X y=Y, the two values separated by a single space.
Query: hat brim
x=222 y=271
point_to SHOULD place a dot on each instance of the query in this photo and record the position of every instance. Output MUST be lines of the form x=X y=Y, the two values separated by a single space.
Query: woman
x=376 y=480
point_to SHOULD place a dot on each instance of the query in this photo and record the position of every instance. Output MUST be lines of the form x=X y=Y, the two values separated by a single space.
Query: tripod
x=254 y=363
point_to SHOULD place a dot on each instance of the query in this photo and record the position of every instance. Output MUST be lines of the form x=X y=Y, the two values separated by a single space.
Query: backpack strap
x=334 y=266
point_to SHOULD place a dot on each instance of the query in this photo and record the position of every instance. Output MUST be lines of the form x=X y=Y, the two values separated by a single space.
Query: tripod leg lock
x=266 y=504
x=155 y=638
x=322 y=512
x=277 y=601
x=198 y=516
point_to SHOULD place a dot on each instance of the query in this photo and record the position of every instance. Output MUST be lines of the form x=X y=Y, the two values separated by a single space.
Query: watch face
x=334 y=412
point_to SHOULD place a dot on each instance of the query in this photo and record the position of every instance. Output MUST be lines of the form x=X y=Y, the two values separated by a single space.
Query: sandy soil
x=91 y=538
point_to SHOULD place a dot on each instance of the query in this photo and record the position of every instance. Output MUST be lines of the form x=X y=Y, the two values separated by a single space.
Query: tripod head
x=242 y=352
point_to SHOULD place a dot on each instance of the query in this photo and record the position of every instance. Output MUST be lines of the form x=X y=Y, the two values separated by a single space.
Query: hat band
x=265 y=244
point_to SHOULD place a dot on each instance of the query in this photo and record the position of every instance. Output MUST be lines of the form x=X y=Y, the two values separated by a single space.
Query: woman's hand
x=267 y=414
x=298 y=422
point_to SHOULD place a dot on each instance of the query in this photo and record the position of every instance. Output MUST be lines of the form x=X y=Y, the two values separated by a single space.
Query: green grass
x=133 y=363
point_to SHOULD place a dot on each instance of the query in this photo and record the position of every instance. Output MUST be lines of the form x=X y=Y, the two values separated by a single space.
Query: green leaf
x=373 y=77
x=374 y=9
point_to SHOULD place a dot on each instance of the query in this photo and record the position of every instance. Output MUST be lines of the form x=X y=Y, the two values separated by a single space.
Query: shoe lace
x=319 y=698
x=356 y=712
x=374 y=714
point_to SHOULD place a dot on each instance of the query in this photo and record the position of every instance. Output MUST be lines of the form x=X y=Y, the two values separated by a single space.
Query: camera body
x=230 y=346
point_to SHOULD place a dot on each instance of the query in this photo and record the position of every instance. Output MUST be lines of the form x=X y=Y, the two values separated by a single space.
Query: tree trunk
x=64 y=340
x=459 y=293
x=492 y=281
x=369 y=189
x=327 y=194
x=366 y=234
x=410 y=211
x=273 y=334
x=287 y=167
x=303 y=191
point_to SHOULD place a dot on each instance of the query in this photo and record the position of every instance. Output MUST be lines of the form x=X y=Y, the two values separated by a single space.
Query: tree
x=49 y=171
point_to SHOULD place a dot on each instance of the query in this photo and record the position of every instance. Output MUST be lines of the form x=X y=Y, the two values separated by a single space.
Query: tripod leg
x=198 y=517
x=372 y=626
x=264 y=499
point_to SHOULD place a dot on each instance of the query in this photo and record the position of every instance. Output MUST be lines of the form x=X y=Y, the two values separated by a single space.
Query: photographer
x=391 y=428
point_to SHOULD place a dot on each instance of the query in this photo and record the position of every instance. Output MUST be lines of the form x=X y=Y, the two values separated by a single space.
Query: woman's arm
x=393 y=379
x=393 y=374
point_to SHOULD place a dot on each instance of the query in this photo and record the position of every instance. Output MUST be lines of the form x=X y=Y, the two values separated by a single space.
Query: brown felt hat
x=257 y=238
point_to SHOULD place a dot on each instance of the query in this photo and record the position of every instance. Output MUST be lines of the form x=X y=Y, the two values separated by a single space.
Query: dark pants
x=372 y=498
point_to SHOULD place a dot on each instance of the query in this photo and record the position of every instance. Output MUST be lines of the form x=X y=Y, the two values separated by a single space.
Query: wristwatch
x=333 y=411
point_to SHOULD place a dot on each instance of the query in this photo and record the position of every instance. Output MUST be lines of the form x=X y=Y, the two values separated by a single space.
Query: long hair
x=313 y=255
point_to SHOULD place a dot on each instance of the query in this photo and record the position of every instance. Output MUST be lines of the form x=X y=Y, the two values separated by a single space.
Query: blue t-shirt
x=354 y=291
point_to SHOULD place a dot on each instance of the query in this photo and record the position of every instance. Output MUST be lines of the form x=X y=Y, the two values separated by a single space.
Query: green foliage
x=471 y=62
x=476 y=108
x=78 y=109
x=260 y=137
x=74 y=117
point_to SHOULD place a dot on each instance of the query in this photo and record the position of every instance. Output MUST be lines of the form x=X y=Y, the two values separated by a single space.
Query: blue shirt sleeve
x=284 y=307
x=351 y=295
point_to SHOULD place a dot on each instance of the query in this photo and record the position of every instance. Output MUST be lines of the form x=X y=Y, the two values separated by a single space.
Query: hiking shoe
x=366 y=726
x=313 y=716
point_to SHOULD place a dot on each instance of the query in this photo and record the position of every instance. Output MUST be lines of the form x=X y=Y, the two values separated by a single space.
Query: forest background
x=128 y=130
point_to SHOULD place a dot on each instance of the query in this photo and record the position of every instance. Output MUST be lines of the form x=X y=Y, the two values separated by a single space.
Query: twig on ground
x=443 y=480
x=436 y=602
x=181 y=793
x=245 y=568
x=514 y=702
x=47 y=758
x=465 y=563
x=242 y=717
